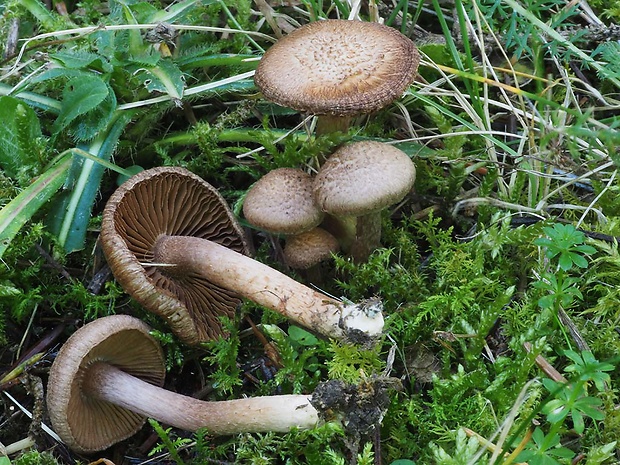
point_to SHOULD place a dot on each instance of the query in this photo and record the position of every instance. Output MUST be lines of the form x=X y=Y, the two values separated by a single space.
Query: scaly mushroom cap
x=303 y=251
x=338 y=67
x=282 y=202
x=363 y=177
x=170 y=201
x=87 y=424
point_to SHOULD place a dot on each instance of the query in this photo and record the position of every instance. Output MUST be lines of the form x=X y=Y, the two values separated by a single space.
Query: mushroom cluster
x=282 y=202
x=167 y=261
x=337 y=69
x=356 y=183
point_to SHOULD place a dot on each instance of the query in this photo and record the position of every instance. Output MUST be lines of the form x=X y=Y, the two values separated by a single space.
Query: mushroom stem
x=358 y=235
x=269 y=288
x=367 y=236
x=327 y=124
x=258 y=414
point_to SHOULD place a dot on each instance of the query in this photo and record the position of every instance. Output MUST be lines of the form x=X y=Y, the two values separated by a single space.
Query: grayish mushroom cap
x=338 y=67
x=362 y=178
x=282 y=202
x=87 y=424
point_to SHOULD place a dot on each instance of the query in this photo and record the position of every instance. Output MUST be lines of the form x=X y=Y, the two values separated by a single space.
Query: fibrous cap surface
x=338 y=67
x=363 y=177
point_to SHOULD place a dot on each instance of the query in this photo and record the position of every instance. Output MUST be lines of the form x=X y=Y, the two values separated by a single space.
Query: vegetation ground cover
x=499 y=272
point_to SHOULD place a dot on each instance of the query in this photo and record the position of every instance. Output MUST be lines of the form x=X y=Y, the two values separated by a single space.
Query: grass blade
x=22 y=208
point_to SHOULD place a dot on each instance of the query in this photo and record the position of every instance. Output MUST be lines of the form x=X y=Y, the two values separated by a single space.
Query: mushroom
x=282 y=202
x=140 y=246
x=353 y=186
x=304 y=251
x=337 y=69
x=107 y=378
x=170 y=201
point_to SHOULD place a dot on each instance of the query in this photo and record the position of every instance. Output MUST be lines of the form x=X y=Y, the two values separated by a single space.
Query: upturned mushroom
x=144 y=251
x=355 y=184
x=170 y=201
x=338 y=69
x=106 y=380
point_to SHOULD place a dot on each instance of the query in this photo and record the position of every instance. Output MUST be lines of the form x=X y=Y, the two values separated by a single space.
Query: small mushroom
x=107 y=379
x=306 y=252
x=139 y=245
x=282 y=202
x=337 y=69
x=353 y=186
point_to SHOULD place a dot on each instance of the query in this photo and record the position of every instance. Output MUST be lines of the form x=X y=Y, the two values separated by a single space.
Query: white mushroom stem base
x=270 y=288
x=258 y=414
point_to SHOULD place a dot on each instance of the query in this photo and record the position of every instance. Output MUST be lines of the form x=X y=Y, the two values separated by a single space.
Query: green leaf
x=80 y=96
x=71 y=215
x=81 y=59
x=301 y=336
x=19 y=130
x=175 y=10
x=21 y=209
x=166 y=78
x=92 y=122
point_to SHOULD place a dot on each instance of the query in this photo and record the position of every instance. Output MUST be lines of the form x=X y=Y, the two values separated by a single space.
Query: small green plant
x=567 y=401
x=564 y=250
x=465 y=450
x=567 y=244
x=168 y=443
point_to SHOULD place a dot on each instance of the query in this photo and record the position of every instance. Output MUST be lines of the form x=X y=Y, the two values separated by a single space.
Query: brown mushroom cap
x=302 y=251
x=363 y=177
x=338 y=67
x=170 y=201
x=282 y=202
x=87 y=424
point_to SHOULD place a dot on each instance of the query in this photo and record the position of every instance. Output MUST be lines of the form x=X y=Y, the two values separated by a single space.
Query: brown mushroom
x=138 y=249
x=107 y=379
x=357 y=182
x=337 y=69
x=170 y=201
x=304 y=251
x=282 y=202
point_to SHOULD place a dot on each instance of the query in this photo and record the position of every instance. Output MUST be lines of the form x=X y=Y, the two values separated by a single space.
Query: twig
x=545 y=366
